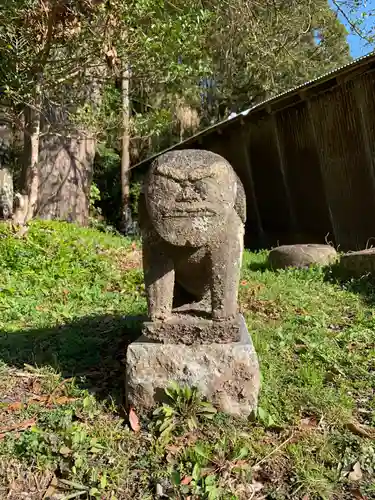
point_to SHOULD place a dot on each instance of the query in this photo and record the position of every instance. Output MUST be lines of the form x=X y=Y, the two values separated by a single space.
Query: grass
x=70 y=301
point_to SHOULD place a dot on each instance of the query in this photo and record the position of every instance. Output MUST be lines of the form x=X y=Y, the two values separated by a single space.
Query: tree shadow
x=363 y=286
x=259 y=266
x=92 y=349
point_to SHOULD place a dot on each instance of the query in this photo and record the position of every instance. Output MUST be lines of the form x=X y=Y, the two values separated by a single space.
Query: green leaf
x=262 y=414
x=244 y=452
x=103 y=481
x=176 y=478
x=196 y=474
x=199 y=450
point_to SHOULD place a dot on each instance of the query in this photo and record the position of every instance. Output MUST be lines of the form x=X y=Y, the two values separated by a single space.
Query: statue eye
x=201 y=187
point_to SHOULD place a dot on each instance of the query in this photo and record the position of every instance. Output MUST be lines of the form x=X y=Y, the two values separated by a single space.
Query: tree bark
x=66 y=157
x=31 y=152
x=126 y=217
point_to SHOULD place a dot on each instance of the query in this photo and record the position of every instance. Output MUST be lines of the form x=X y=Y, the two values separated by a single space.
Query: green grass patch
x=70 y=301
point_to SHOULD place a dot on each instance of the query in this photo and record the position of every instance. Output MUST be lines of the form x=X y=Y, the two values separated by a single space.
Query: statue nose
x=188 y=194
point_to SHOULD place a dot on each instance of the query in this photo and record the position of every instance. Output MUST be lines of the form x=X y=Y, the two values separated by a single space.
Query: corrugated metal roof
x=236 y=117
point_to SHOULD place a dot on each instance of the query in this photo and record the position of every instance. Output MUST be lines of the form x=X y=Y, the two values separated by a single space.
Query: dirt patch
x=125 y=259
x=17 y=482
x=249 y=302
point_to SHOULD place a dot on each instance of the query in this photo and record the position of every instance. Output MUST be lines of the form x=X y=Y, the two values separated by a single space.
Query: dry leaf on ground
x=21 y=426
x=356 y=473
x=187 y=480
x=134 y=421
x=361 y=430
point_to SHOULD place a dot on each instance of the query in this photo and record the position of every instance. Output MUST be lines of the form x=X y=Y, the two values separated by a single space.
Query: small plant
x=184 y=411
x=94 y=198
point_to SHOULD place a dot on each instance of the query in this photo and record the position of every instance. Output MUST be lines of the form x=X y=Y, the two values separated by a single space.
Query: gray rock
x=302 y=255
x=226 y=374
x=357 y=264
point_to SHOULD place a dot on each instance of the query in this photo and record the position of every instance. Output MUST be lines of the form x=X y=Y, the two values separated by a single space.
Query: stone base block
x=192 y=329
x=226 y=374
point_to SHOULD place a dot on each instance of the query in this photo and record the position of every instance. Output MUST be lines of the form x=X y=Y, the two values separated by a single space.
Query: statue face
x=189 y=202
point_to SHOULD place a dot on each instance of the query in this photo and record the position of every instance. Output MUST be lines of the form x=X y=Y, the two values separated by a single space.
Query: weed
x=70 y=301
x=185 y=411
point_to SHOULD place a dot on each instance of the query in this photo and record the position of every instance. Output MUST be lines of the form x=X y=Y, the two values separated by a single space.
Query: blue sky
x=358 y=46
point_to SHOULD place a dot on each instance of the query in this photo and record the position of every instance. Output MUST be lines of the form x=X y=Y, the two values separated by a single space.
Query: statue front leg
x=159 y=281
x=226 y=260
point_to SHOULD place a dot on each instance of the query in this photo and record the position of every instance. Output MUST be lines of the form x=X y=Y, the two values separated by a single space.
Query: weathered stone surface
x=302 y=255
x=189 y=329
x=226 y=374
x=357 y=264
x=6 y=193
x=192 y=215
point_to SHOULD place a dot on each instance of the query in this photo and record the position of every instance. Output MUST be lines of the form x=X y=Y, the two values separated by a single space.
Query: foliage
x=94 y=199
x=360 y=17
x=190 y=63
x=184 y=411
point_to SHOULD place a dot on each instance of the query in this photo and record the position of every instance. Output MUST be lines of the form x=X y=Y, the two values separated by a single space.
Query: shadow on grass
x=259 y=266
x=363 y=286
x=92 y=349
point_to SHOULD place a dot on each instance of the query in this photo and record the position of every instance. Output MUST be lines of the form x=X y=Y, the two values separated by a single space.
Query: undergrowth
x=70 y=301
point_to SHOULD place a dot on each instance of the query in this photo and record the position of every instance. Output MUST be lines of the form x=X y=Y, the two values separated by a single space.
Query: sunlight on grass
x=71 y=300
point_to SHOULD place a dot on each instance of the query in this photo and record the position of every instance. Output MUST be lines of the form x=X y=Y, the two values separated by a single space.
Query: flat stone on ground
x=227 y=374
x=301 y=255
x=357 y=264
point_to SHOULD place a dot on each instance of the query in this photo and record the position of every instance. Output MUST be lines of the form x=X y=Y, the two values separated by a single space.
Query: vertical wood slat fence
x=307 y=161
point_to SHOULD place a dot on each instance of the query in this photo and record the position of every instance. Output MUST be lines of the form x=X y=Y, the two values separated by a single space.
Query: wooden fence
x=307 y=161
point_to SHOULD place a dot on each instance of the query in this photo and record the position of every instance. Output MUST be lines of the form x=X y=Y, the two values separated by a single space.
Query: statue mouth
x=190 y=213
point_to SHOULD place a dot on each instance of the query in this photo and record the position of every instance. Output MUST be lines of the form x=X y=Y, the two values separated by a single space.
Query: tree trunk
x=31 y=158
x=126 y=217
x=6 y=177
x=66 y=158
x=66 y=165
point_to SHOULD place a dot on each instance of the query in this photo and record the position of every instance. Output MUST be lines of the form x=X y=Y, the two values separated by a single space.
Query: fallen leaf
x=173 y=449
x=65 y=451
x=52 y=487
x=187 y=480
x=37 y=399
x=58 y=388
x=134 y=421
x=63 y=400
x=257 y=486
x=357 y=495
x=21 y=426
x=14 y=406
x=159 y=490
x=36 y=386
x=356 y=473
x=308 y=423
x=360 y=430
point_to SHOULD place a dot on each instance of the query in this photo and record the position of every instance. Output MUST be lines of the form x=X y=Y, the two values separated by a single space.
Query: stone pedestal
x=227 y=374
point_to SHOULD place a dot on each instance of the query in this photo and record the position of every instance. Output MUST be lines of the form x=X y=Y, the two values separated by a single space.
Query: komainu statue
x=192 y=214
